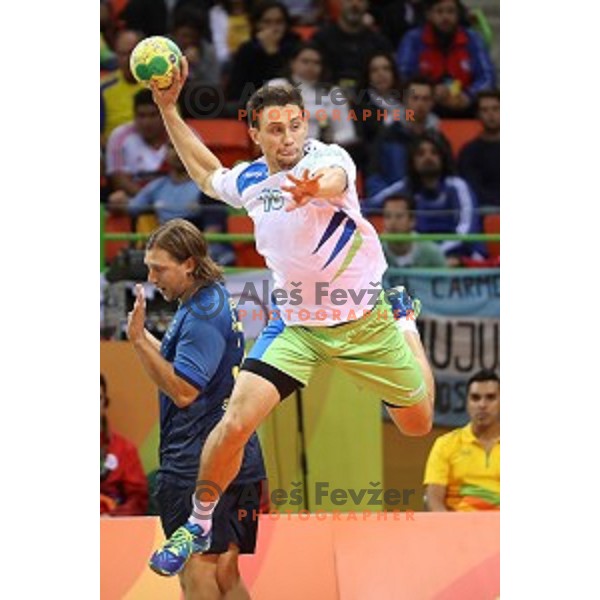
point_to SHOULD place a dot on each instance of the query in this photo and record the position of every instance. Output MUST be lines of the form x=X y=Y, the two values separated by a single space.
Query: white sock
x=407 y=324
x=202 y=513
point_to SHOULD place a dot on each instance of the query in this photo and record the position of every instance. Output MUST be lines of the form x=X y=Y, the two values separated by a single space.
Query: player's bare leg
x=214 y=577
x=252 y=399
x=415 y=420
x=228 y=576
x=199 y=578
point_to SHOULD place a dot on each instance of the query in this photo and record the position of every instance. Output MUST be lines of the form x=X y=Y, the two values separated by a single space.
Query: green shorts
x=371 y=349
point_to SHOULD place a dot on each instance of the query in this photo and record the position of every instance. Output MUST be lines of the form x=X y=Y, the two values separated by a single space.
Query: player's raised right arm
x=199 y=161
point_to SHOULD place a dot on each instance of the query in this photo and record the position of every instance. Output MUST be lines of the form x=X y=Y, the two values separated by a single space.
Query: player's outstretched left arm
x=328 y=183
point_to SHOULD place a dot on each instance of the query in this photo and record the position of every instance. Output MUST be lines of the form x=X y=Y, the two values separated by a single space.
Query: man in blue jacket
x=452 y=56
x=444 y=203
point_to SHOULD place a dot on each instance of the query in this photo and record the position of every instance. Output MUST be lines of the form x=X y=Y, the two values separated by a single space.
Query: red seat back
x=377 y=222
x=459 y=132
x=305 y=31
x=226 y=138
x=333 y=9
x=491 y=224
x=245 y=252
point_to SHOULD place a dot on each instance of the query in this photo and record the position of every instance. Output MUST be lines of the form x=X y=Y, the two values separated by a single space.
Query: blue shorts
x=235 y=520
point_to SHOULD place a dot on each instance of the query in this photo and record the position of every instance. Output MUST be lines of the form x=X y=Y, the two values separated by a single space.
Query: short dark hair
x=416 y=80
x=487 y=94
x=143 y=98
x=410 y=201
x=483 y=375
x=308 y=45
x=272 y=95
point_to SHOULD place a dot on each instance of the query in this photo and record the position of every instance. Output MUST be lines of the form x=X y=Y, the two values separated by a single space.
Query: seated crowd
x=396 y=84
x=407 y=87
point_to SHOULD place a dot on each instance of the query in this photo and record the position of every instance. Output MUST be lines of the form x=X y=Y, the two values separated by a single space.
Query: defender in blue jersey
x=194 y=368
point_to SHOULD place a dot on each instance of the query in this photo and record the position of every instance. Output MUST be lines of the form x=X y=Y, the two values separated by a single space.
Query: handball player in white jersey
x=301 y=195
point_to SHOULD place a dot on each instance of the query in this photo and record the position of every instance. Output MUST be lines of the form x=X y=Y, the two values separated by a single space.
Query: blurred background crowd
x=408 y=87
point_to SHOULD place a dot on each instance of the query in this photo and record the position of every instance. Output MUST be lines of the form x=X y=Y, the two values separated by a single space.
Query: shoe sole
x=161 y=572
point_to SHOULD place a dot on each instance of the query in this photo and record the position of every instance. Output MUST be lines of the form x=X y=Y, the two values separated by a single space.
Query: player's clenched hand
x=303 y=190
x=168 y=97
x=136 y=318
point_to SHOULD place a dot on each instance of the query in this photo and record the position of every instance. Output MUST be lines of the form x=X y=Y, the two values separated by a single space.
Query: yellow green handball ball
x=154 y=59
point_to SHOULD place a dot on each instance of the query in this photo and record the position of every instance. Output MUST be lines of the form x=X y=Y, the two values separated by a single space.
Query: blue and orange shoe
x=176 y=551
x=402 y=304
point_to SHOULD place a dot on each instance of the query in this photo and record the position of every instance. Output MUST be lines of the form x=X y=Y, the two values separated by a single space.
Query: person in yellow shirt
x=118 y=89
x=463 y=468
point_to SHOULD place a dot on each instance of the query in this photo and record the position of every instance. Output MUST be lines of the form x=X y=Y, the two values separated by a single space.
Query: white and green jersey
x=316 y=249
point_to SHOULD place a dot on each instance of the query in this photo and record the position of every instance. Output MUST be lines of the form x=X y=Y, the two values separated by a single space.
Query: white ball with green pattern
x=154 y=59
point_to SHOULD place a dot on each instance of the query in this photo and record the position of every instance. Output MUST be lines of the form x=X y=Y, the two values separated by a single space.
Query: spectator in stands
x=191 y=33
x=123 y=486
x=389 y=153
x=444 y=203
x=418 y=97
x=463 y=468
x=176 y=196
x=452 y=56
x=136 y=151
x=118 y=89
x=266 y=55
x=156 y=17
x=348 y=42
x=479 y=160
x=327 y=108
x=379 y=90
x=395 y=17
x=399 y=217
x=230 y=28
x=169 y=196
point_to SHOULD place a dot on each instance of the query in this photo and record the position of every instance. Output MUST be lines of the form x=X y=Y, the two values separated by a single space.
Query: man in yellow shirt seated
x=463 y=468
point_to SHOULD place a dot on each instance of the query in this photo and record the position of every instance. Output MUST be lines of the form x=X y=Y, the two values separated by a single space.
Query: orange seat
x=459 y=132
x=227 y=138
x=116 y=224
x=334 y=9
x=245 y=252
x=491 y=224
x=305 y=31
x=377 y=222
x=360 y=184
x=118 y=6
